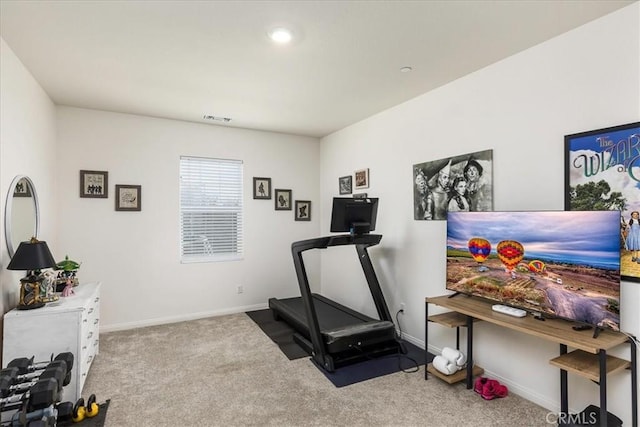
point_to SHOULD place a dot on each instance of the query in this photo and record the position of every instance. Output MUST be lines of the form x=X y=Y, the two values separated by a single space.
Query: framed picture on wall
x=344 y=184
x=94 y=184
x=128 y=197
x=362 y=179
x=602 y=172
x=262 y=188
x=303 y=210
x=283 y=199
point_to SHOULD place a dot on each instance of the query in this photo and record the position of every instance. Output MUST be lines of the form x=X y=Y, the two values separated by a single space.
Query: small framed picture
x=360 y=196
x=94 y=184
x=303 y=210
x=362 y=178
x=128 y=197
x=262 y=188
x=283 y=199
x=344 y=184
x=23 y=189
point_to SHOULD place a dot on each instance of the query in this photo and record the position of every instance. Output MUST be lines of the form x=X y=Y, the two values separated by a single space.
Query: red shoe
x=501 y=390
x=489 y=389
x=479 y=385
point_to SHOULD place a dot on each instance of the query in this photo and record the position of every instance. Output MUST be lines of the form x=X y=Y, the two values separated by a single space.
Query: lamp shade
x=32 y=255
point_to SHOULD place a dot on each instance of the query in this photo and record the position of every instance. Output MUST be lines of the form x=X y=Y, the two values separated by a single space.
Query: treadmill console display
x=354 y=216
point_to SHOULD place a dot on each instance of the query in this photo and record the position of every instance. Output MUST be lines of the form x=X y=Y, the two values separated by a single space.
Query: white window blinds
x=210 y=209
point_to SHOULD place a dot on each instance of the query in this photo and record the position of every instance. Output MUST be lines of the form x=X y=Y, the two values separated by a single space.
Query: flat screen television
x=355 y=216
x=562 y=264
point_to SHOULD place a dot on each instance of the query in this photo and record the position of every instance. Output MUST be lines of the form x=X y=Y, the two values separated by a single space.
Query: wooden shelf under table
x=586 y=364
x=452 y=319
x=454 y=378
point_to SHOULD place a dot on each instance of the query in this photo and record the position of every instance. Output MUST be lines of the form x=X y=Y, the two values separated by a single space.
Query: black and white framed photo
x=94 y=184
x=283 y=199
x=262 y=188
x=128 y=197
x=344 y=184
x=362 y=178
x=303 y=210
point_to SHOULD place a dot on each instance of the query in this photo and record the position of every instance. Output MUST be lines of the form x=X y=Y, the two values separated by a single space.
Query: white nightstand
x=70 y=324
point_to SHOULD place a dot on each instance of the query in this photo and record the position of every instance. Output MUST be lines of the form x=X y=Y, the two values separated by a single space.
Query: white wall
x=27 y=147
x=136 y=254
x=521 y=108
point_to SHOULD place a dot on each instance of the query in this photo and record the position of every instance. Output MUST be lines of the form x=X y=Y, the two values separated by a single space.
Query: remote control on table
x=511 y=311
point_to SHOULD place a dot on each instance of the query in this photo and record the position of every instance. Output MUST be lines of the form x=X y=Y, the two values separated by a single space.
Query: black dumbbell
x=44 y=417
x=26 y=365
x=11 y=381
x=41 y=394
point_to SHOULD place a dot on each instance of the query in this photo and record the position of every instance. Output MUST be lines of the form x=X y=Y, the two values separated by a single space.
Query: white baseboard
x=180 y=318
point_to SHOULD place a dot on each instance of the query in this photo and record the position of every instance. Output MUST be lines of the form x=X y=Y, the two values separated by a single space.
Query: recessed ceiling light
x=406 y=69
x=280 y=35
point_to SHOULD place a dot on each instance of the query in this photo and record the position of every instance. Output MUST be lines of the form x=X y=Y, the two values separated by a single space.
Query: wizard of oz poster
x=602 y=172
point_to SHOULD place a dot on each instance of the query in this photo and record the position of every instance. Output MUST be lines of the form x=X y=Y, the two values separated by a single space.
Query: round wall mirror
x=22 y=214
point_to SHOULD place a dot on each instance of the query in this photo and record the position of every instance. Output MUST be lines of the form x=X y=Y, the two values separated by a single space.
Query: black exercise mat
x=279 y=332
x=378 y=367
x=97 y=421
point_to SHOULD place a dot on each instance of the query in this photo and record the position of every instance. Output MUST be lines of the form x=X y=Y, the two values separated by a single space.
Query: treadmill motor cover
x=353 y=335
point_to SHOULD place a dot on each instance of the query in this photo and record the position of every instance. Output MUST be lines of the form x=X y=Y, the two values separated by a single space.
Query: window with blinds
x=210 y=209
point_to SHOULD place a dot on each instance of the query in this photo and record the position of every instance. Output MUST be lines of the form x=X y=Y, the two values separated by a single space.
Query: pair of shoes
x=490 y=389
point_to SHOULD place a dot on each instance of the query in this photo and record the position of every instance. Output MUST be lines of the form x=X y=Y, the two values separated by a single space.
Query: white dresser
x=70 y=324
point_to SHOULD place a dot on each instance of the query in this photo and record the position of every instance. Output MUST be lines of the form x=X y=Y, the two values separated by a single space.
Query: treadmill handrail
x=337 y=240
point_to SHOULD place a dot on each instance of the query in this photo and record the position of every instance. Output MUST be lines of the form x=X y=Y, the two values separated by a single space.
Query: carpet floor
x=224 y=371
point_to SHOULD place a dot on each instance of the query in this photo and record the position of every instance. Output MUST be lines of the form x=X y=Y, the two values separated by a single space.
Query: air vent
x=217 y=118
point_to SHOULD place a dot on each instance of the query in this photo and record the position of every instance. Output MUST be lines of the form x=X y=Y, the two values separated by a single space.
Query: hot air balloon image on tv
x=510 y=253
x=537 y=266
x=480 y=249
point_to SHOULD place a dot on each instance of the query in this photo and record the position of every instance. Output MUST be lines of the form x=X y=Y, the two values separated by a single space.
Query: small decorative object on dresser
x=67 y=272
x=31 y=256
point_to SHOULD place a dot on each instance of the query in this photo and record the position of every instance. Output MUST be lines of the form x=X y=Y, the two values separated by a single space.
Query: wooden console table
x=588 y=359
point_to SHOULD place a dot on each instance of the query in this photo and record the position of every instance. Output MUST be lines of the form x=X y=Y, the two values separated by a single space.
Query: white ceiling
x=186 y=59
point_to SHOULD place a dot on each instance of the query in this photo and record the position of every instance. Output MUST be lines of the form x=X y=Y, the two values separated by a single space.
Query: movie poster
x=456 y=184
x=602 y=172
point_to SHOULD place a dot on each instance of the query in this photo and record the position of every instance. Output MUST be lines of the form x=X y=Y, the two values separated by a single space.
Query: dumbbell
x=80 y=411
x=11 y=382
x=45 y=417
x=43 y=393
x=26 y=365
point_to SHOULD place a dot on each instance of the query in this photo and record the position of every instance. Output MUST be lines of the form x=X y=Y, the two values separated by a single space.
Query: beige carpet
x=224 y=371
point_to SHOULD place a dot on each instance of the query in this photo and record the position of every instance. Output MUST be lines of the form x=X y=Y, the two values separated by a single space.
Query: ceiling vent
x=217 y=118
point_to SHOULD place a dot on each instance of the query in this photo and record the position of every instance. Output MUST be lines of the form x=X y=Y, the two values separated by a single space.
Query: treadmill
x=333 y=334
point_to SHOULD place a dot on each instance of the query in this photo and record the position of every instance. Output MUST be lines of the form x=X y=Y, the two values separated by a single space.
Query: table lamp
x=31 y=256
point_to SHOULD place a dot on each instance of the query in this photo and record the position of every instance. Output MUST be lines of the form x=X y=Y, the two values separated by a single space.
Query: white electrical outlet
x=402 y=307
x=240 y=289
